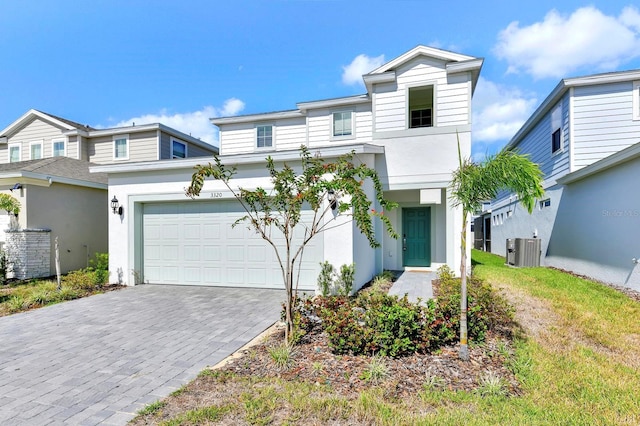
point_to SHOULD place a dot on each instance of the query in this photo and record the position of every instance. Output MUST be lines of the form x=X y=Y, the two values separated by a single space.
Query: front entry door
x=416 y=236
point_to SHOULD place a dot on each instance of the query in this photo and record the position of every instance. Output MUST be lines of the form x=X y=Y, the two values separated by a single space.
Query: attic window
x=420 y=107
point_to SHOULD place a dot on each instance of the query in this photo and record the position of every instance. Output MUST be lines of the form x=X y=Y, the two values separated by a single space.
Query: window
x=342 y=123
x=545 y=203
x=555 y=141
x=178 y=149
x=14 y=153
x=35 y=150
x=58 y=148
x=121 y=147
x=556 y=129
x=264 y=138
x=421 y=107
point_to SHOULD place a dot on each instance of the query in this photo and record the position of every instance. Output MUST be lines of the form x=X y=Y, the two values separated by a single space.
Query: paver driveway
x=100 y=359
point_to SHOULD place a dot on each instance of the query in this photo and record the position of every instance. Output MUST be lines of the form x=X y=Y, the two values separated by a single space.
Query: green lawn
x=579 y=364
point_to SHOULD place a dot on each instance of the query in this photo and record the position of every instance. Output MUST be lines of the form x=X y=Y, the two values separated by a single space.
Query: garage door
x=193 y=243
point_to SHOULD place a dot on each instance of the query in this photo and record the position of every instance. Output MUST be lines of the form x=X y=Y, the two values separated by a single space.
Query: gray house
x=586 y=138
x=44 y=163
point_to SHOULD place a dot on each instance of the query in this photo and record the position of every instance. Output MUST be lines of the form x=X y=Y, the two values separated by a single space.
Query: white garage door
x=193 y=243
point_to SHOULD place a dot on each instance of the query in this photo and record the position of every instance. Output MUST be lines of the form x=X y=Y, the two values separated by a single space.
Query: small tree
x=473 y=183
x=326 y=188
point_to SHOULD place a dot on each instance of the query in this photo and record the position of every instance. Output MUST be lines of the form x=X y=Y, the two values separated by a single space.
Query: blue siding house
x=586 y=138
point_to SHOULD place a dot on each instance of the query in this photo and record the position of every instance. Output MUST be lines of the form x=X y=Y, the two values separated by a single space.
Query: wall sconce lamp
x=16 y=187
x=115 y=206
x=333 y=200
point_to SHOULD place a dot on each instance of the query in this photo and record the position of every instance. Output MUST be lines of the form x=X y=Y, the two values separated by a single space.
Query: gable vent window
x=420 y=107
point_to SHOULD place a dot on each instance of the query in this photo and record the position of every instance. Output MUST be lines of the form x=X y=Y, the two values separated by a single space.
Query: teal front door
x=416 y=236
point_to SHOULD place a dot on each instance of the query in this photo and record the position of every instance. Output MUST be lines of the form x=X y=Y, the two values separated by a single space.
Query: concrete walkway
x=416 y=285
x=100 y=359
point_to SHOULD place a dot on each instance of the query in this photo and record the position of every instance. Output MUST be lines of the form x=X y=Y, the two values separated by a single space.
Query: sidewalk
x=416 y=285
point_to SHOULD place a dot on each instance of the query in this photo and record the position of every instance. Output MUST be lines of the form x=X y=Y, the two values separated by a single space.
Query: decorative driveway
x=100 y=359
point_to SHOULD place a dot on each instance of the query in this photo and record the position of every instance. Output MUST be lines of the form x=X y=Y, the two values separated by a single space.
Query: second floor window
x=58 y=148
x=555 y=141
x=35 y=151
x=14 y=153
x=178 y=150
x=420 y=107
x=120 y=148
x=264 y=137
x=342 y=123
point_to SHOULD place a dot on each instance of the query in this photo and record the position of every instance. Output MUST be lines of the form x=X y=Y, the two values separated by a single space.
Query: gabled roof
x=421 y=51
x=27 y=117
x=563 y=87
x=55 y=169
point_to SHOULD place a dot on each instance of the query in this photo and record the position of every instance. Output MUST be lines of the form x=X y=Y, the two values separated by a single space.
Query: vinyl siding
x=603 y=122
x=320 y=126
x=537 y=144
x=197 y=151
x=451 y=95
x=241 y=138
x=165 y=146
x=142 y=147
x=192 y=150
x=72 y=147
x=36 y=131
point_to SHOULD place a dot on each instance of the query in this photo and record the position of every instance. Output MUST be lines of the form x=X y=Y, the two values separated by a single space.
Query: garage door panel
x=194 y=243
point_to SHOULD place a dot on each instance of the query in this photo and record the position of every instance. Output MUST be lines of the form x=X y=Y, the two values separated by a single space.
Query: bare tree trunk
x=464 y=348
x=58 y=266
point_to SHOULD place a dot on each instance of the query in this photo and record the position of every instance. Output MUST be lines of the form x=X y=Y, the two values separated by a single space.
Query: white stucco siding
x=415 y=161
x=597 y=228
x=603 y=122
x=135 y=189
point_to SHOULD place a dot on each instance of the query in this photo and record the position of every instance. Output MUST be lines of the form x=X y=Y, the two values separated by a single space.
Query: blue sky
x=108 y=63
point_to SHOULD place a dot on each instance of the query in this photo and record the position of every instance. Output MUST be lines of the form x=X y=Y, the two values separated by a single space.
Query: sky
x=108 y=63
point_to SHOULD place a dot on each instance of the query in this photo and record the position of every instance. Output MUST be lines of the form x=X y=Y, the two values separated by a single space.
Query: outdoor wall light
x=333 y=200
x=16 y=187
x=115 y=206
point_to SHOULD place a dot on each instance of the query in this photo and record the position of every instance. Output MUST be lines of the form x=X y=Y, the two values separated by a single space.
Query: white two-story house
x=407 y=126
x=586 y=138
x=44 y=164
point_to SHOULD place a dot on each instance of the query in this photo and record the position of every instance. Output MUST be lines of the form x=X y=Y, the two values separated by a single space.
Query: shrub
x=346 y=279
x=325 y=278
x=100 y=267
x=486 y=309
x=83 y=280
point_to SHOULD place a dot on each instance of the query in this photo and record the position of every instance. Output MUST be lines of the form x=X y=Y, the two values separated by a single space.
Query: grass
x=578 y=365
x=23 y=296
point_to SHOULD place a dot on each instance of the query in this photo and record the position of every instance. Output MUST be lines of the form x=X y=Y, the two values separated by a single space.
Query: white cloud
x=195 y=123
x=561 y=44
x=499 y=111
x=361 y=64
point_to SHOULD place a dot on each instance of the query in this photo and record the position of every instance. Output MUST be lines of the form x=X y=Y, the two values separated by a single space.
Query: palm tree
x=471 y=184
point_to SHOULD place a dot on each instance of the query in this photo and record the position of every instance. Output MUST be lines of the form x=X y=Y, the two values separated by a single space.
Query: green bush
x=82 y=280
x=100 y=268
x=346 y=279
x=325 y=278
x=486 y=309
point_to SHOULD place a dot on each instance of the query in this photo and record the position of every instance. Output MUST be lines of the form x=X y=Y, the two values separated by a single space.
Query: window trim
x=14 y=145
x=31 y=144
x=407 y=106
x=186 y=154
x=117 y=138
x=273 y=137
x=636 y=100
x=64 y=147
x=353 y=124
